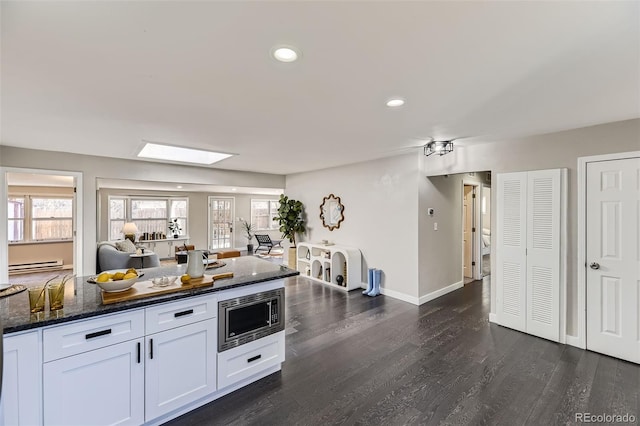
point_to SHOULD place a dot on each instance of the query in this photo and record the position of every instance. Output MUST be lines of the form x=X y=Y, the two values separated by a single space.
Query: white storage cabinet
x=324 y=263
x=22 y=380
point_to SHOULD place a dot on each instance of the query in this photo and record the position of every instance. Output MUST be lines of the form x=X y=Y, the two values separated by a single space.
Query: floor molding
x=441 y=292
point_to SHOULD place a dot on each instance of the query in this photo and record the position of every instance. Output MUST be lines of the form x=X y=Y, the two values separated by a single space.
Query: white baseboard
x=400 y=296
x=575 y=341
x=493 y=317
x=435 y=294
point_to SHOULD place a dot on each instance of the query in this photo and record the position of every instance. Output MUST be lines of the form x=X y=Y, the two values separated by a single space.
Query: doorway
x=612 y=259
x=221 y=214
x=41 y=218
x=468 y=232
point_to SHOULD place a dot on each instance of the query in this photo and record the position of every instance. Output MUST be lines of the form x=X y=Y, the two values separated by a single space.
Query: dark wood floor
x=352 y=359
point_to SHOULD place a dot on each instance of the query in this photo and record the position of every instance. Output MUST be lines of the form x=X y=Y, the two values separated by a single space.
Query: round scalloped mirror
x=331 y=212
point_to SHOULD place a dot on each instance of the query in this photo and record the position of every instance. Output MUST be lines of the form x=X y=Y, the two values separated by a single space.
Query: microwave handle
x=269 y=311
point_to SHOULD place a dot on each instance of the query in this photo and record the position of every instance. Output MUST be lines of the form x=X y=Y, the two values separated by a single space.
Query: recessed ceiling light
x=233 y=189
x=395 y=102
x=180 y=154
x=285 y=54
x=179 y=186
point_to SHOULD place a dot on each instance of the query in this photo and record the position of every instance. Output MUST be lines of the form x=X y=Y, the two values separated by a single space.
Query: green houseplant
x=248 y=229
x=291 y=221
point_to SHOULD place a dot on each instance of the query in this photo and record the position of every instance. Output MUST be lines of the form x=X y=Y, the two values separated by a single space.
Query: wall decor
x=331 y=212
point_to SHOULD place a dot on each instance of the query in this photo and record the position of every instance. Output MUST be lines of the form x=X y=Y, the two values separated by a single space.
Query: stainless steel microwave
x=249 y=318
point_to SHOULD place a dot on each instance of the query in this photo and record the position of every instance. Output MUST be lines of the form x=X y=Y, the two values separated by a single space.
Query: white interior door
x=511 y=257
x=220 y=222
x=543 y=253
x=613 y=258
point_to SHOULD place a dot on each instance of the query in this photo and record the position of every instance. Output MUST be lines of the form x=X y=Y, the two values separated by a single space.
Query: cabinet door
x=101 y=387
x=21 y=381
x=180 y=367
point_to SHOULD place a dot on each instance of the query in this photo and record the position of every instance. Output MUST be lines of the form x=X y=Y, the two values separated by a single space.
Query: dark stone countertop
x=83 y=299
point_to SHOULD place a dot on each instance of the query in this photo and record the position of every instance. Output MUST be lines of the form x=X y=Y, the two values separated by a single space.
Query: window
x=262 y=214
x=150 y=215
x=16 y=218
x=117 y=216
x=39 y=218
x=51 y=218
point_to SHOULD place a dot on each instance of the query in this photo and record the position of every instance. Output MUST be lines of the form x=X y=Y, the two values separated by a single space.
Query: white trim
x=564 y=242
x=581 y=275
x=78 y=258
x=400 y=296
x=441 y=292
x=574 y=341
x=476 y=256
x=493 y=318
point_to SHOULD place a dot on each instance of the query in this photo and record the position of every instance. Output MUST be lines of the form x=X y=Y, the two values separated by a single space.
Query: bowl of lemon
x=112 y=281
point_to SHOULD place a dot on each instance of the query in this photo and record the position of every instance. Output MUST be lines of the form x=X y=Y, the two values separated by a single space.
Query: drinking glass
x=36 y=299
x=56 y=296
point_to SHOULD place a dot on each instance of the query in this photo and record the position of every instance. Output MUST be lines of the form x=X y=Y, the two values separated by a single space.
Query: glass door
x=221 y=212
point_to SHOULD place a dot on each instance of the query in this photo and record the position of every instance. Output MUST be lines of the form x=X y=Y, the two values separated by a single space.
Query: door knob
x=594 y=265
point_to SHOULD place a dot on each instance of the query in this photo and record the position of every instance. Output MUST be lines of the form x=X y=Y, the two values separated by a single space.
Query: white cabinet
x=242 y=362
x=180 y=361
x=94 y=371
x=530 y=253
x=165 y=249
x=22 y=380
x=325 y=264
x=104 y=386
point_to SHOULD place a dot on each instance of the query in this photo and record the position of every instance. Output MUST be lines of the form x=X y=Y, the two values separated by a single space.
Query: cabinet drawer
x=240 y=363
x=176 y=314
x=82 y=336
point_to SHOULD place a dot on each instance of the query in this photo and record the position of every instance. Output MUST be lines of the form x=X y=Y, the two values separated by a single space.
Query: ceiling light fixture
x=180 y=154
x=285 y=54
x=395 y=102
x=438 y=147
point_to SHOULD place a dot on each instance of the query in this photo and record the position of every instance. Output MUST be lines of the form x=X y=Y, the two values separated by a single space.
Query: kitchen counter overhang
x=83 y=300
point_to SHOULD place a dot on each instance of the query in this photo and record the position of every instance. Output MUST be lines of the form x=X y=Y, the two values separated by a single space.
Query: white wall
x=381 y=202
x=93 y=168
x=444 y=195
x=554 y=150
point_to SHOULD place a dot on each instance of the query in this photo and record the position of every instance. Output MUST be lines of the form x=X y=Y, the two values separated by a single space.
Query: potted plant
x=291 y=221
x=248 y=229
x=174 y=228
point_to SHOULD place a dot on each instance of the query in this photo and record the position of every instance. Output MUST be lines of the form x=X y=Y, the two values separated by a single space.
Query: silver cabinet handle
x=594 y=265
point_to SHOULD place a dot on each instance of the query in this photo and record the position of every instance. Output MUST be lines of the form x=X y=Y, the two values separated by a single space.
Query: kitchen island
x=138 y=362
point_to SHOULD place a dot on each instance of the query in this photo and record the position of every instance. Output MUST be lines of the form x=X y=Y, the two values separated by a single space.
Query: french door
x=613 y=258
x=221 y=211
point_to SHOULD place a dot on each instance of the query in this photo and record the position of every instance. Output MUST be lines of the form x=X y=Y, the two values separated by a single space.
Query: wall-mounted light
x=438 y=147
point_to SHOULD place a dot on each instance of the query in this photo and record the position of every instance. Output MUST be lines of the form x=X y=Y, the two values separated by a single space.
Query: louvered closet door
x=511 y=250
x=543 y=253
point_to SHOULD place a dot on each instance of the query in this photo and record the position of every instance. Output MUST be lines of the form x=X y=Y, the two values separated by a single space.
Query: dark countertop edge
x=135 y=304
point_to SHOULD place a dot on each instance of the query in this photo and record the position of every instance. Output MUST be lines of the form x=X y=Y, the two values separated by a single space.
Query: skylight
x=183 y=155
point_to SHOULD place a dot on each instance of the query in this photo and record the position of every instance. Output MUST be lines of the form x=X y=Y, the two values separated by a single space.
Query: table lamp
x=129 y=230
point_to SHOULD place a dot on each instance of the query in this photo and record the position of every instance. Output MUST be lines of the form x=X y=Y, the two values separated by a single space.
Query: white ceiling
x=99 y=77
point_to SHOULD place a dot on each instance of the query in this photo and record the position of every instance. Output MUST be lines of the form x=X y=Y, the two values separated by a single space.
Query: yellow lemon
x=129 y=275
x=131 y=271
x=185 y=278
x=118 y=276
x=103 y=277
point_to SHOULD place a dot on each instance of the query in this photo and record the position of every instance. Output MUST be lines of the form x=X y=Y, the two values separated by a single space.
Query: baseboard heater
x=23 y=268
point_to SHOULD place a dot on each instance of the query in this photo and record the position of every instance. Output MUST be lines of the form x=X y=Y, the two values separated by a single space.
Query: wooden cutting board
x=142 y=289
